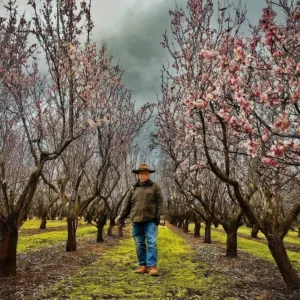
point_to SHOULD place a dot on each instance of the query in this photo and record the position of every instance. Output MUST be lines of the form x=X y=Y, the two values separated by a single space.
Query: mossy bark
x=8 y=247
x=100 y=238
x=231 y=240
x=254 y=231
x=207 y=236
x=72 y=228
x=186 y=226
x=197 y=229
x=283 y=262
x=43 y=224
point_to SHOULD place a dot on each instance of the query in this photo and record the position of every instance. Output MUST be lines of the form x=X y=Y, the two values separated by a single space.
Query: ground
x=189 y=268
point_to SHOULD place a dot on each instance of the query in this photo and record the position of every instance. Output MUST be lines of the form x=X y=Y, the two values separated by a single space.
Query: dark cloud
x=136 y=44
x=134 y=39
x=133 y=31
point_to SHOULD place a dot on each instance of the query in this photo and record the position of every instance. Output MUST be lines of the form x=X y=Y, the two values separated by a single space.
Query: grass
x=35 y=224
x=45 y=239
x=113 y=276
x=256 y=248
x=291 y=237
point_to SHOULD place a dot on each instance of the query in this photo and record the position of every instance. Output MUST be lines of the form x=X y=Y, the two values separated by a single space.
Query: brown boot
x=153 y=271
x=141 y=270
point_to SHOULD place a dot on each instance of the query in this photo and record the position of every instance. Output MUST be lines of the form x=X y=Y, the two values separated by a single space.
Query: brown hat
x=142 y=167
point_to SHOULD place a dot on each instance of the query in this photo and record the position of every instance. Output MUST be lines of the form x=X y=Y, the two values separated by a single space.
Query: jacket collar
x=145 y=184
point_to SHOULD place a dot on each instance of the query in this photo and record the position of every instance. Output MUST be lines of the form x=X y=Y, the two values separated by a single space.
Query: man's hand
x=119 y=221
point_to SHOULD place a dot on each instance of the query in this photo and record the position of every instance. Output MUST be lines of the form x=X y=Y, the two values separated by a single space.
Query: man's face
x=143 y=176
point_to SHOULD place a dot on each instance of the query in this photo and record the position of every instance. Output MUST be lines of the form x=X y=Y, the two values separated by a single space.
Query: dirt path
x=182 y=276
x=38 y=270
x=189 y=269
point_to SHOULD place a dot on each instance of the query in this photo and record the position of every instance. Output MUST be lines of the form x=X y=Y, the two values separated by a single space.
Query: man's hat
x=142 y=167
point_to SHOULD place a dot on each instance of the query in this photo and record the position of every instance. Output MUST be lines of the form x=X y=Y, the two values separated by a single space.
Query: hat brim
x=138 y=171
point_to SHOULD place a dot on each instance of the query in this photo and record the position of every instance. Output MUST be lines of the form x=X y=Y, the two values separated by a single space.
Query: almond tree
x=192 y=178
x=18 y=184
x=35 y=107
x=210 y=66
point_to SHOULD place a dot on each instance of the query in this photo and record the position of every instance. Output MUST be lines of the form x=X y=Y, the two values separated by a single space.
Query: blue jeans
x=145 y=232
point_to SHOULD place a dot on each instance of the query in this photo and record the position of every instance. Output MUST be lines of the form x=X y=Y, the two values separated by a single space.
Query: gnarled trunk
x=231 y=241
x=186 y=226
x=72 y=227
x=111 y=226
x=254 y=231
x=100 y=233
x=120 y=231
x=282 y=260
x=197 y=229
x=102 y=217
x=43 y=222
x=207 y=237
x=88 y=218
x=8 y=247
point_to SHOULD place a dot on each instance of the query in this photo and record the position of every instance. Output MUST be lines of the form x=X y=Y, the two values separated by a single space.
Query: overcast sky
x=133 y=31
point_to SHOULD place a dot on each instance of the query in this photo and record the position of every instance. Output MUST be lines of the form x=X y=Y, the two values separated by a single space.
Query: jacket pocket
x=149 y=195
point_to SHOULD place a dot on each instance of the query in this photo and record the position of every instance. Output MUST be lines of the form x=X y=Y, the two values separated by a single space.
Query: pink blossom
x=240 y=55
x=277 y=150
x=277 y=53
x=283 y=122
x=252 y=147
x=269 y=161
x=265 y=136
x=208 y=54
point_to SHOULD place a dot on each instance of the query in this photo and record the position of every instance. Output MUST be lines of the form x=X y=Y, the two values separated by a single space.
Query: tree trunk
x=231 y=242
x=186 y=227
x=43 y=222
x=254 y=231
x=120 y=231
x=299 y=230
x=72 y=227
x=197 y=229
x=110 y=228
x=207 y=237
x=88 y=218
x=282 y=260
x=100 y=233
x=8 y=247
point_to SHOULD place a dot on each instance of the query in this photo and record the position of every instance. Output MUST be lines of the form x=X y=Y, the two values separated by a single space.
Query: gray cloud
x=133 y=31
x=135 y=41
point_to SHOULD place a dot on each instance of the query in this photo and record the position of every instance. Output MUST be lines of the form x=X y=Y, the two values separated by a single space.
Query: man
x=144 y=204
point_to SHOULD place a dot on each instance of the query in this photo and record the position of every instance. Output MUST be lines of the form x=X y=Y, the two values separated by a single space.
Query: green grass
x=256 y=248
x=35 y=224
x=113 y=276
x=45 y=239
x=291 y=237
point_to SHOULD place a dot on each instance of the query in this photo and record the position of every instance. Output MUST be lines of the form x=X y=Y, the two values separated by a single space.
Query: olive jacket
x=143 y=202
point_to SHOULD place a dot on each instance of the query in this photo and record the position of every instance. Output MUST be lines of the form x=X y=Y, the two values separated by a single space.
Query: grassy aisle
x=35 y=224
x=113 y=277
x=46 y=239
x=291 y=237
x=256 y=248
